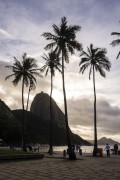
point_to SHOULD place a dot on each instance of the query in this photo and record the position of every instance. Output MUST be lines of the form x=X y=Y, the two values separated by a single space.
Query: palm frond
x=83 y=53
x=48 y=35
x=115 y=42
x=70 y=48
x=56 y=29
x=84 y=67
x=118 y=55
x=47 y=71
x=83 y=60
x=100 y=70
x=17 y=79
x=50 y=46
x=115 y=33
x=74 y=28
x=9 y=76
x=63 y=21
x=75 y=45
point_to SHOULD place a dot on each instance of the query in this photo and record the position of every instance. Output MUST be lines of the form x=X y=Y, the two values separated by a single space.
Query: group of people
x=76 y=148
x=107 y=148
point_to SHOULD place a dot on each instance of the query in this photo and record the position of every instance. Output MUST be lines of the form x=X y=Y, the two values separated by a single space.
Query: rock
x=41 y=108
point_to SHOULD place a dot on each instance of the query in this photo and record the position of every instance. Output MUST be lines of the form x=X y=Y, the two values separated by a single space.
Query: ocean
x=85 y=149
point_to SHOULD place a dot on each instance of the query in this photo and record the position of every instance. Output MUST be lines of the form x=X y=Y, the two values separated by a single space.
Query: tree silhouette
x=52 y=64
x=116 y=42
x=96 y=60
x=25 y=71
x=64 y=41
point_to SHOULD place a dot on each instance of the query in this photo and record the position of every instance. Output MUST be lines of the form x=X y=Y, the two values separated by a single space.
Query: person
x=107 y=150
x=116 y=148
x=64 y=153
x=73 y=147
x=80 y=150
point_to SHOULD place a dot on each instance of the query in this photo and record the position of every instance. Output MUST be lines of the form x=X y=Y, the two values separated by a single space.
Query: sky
x=21 y=25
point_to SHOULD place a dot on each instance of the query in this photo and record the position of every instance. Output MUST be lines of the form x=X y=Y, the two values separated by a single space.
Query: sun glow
x=57 y=95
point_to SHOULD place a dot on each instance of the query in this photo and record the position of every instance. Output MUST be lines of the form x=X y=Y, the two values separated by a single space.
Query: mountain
x=36 y=130
x=104 y=141
x=37 y=124
x=10 y=128
x=41 y=108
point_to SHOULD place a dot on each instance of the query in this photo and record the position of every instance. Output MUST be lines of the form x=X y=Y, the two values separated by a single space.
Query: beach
x=56 y=167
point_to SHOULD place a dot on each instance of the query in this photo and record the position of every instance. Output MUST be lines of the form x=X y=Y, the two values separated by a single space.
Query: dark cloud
x=81 y=113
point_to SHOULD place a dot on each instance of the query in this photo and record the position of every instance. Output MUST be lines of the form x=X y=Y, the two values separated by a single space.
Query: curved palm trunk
x=95 y=119
x=51 y=121
x=23 y=122
x=71 y=152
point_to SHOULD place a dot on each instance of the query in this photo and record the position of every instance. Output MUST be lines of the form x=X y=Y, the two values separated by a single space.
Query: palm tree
x=52 y=63
x=64 y=41
x=25 y=71
x=116 y=42
x=96 y=60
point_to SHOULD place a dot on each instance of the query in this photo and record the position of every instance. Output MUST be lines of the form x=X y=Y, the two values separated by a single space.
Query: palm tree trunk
x=71 y=153
x=51 y=121
x=23 y=122
x=28 y=98
x=95 y=119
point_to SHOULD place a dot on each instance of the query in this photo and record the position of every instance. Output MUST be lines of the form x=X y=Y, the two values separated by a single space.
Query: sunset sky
x=21 y=24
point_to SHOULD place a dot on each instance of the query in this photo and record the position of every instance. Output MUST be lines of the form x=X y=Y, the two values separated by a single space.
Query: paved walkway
x=57 y=168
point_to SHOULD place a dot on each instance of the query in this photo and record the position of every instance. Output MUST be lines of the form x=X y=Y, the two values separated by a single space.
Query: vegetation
x=25 y=70
x=96 y=60
x=116 y=42
x=12 y=152
x=64 y=41
x=52 y=63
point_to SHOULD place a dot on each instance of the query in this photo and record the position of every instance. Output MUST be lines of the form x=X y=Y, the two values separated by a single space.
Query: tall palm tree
x=96 y=60
x=64 y=41
x=25 y=71
x=116 y=42
x=52 y=64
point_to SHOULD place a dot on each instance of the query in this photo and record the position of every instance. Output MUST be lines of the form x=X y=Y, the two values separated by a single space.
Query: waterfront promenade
x=85 y=167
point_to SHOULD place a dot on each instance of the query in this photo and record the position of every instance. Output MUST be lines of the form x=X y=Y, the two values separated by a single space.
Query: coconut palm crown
x=63 y=39
x=52 y=63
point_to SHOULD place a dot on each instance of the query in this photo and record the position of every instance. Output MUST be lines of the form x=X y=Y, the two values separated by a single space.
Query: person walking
x=107 y=150
x=115 y=148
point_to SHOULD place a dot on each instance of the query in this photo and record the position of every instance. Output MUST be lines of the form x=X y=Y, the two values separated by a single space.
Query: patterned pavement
x=57 y=168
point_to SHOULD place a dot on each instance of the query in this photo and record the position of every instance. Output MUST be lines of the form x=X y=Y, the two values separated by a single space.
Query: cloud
x=4 y=34
x=81 y=117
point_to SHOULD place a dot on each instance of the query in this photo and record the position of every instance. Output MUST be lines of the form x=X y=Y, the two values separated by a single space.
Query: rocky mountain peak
x=41 y=107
